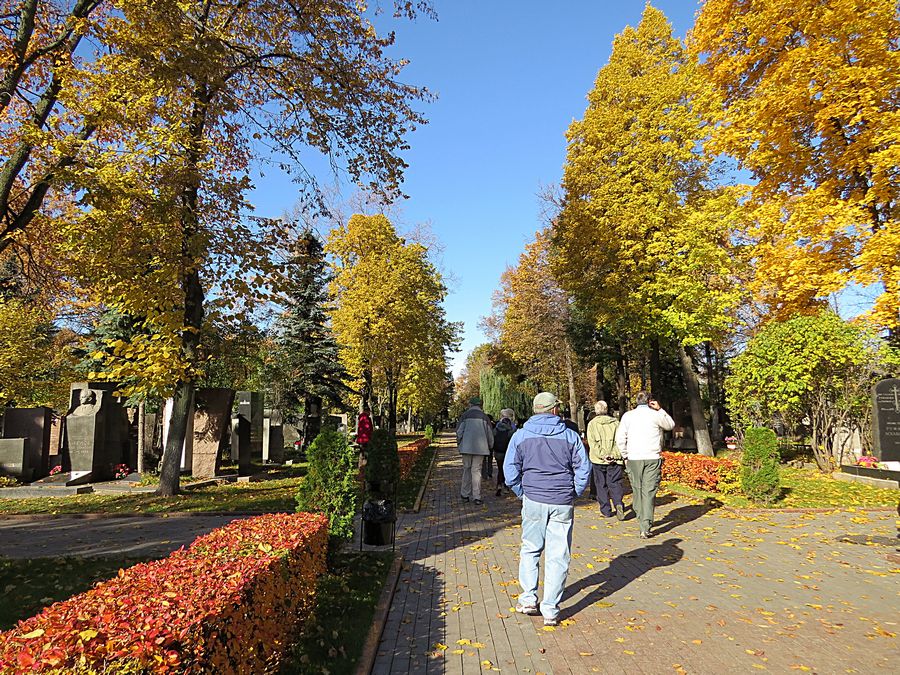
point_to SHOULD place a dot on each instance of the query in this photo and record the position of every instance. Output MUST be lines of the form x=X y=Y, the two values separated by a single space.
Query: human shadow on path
x=685 y=514
x=622 y=570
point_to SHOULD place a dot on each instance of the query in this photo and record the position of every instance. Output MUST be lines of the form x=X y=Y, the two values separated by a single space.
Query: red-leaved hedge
x=409 y=455
x=699 y=471
x=229 y=603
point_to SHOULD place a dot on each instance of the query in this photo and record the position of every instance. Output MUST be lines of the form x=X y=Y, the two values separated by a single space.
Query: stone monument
x=240 y=444
x=14 y=459
x=250 y=408
x=93 y=438
x=886 y=420
x=212 y=414
x=34 y=424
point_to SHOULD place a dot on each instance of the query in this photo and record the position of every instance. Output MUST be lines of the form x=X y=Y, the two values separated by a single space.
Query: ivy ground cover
x=229 y=603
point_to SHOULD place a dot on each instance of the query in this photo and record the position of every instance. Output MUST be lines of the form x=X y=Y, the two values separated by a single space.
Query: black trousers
x=610 y=486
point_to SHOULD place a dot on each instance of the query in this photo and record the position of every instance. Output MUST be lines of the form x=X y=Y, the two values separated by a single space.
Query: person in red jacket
x=364 y=427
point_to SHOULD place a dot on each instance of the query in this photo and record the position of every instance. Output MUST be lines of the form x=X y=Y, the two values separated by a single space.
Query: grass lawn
x=270 y=495
x=808 y=489
x=333 y=638
x=30 y=585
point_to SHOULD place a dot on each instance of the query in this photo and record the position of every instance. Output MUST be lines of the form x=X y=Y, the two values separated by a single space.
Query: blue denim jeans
x=546 y=528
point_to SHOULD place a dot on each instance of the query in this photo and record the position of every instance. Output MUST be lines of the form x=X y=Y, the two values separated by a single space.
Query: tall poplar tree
x=637 y=211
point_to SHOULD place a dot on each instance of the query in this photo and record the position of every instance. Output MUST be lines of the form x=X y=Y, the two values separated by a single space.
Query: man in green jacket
x=606 y=461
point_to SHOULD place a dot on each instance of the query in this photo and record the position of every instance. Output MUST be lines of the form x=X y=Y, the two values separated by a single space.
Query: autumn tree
x=203 y=87
x=806 y=100
x=531 y=319
x=817 y=367
x=642 y=243
x=388 y=316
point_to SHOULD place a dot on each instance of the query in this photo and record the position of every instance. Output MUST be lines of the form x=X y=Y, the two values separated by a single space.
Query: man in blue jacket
x=547 y=467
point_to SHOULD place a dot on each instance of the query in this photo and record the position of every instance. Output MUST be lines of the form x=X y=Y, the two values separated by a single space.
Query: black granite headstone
x=33 y=424
x=250 y=408
x=886 y=420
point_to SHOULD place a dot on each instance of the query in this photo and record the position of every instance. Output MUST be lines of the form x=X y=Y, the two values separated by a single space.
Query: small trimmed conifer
x=330 y=485
x=760 y=479
x=383 y=463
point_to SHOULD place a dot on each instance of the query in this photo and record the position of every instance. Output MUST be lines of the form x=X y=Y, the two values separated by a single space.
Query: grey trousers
x=471 y=476
x=644 y=475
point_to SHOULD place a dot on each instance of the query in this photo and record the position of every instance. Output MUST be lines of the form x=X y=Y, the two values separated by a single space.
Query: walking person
x=547 y=467
x=503 y=432
x=474 y=439
x=606 y=461
x=487 y=464
x=639 y=438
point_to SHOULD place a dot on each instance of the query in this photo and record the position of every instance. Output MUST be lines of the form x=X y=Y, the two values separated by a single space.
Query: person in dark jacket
x=547 y=466
x=474 y=440
x=502 y=434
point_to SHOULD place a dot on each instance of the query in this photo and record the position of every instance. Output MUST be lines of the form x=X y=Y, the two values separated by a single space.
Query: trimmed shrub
x=229 y=603
x=759 y=467
x=429 y=432
x=330 y=485
x=383 y=463
x=698 y=471
x=410 y=454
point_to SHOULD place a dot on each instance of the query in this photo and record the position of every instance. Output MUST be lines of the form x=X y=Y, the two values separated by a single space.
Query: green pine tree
x=306 y=356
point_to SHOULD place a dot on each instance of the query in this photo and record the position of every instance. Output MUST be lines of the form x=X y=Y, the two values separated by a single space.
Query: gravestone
x=886 y=420
x=116 y=426
x=273 y=440
x=240 y=444
x=33 y=424
x=14 y=457
x=93 y=429
x=212 y=414
x=250 y=408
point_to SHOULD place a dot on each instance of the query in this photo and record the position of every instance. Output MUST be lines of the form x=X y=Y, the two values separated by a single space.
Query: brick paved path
x=713 y=591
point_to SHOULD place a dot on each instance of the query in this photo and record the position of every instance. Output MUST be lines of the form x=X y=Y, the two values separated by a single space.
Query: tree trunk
x=713 y=381
x=570 y=379
x=365 y=396
x=170 y=474
x=312 y=424
x=191 y=247
x=621 y=381
x=655 y=369
x=701 y=430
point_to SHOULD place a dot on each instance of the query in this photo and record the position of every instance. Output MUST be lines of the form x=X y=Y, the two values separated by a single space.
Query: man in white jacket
x=639 y=438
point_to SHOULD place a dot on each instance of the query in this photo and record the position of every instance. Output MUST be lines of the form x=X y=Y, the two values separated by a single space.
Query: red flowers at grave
x=229 y=603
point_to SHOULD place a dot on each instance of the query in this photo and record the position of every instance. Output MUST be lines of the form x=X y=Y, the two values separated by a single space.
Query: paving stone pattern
x=713 y=591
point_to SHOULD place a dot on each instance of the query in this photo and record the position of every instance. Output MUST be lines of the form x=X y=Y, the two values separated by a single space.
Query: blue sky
x=510 y=77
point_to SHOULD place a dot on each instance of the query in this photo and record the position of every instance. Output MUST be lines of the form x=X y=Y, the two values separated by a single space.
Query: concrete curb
x=418 y=505
x=102 y=516
x=370 y=646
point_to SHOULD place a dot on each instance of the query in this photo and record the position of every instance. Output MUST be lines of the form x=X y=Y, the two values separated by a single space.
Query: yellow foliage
x=804 y=92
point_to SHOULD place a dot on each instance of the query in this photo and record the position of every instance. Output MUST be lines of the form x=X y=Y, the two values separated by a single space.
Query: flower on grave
x=55 y=470
x=122 y=470
x=867 y=461
x=731 y=440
